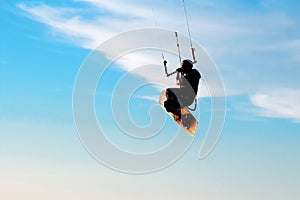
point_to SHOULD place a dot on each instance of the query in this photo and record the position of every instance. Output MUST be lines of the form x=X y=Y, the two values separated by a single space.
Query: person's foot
x=177 y=118
x=185 y=120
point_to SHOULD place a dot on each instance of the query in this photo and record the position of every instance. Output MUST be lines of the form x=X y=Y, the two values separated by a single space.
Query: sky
x=248 y=53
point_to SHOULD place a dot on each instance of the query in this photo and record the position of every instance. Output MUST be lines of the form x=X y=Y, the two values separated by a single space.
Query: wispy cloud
x=106 y=20
x=121 y=8
x=244 y=44
x=280 y=103
x=67 y=21
x=228 y=32
x=90 y=34
x=147 y=97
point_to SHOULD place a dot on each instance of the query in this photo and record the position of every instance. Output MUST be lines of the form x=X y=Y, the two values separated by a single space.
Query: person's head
x=186 y=65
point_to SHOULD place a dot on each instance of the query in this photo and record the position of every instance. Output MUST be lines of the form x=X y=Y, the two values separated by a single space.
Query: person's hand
x=179 y=70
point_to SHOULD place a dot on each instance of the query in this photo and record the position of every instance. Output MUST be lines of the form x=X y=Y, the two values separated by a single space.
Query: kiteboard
x=191 y=126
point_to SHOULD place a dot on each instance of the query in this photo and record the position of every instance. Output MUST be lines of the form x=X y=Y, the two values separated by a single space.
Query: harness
x=179 y=79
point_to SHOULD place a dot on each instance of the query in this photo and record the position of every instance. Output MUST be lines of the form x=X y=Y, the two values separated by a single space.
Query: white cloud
x=69 y=23
x=220 y=30
x=214 y=28
x=121 y=8
x=279 y=103
x=244 y=41
x=89 y=33
x=147 y=97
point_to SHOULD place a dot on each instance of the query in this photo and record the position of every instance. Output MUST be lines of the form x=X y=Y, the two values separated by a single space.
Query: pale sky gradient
x=255 y=45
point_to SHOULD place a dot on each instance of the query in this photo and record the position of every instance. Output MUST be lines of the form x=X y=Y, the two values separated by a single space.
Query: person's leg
x=171 y=104
x=173 y=107
x=172 y=93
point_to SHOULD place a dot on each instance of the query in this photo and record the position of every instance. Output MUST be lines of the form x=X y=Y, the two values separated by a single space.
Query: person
x=183 y=96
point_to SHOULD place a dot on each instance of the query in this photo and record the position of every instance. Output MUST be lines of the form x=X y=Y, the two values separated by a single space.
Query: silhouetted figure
x=185 y=95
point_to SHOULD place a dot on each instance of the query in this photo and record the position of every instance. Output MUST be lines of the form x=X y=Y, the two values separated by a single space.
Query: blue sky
x=255 y=46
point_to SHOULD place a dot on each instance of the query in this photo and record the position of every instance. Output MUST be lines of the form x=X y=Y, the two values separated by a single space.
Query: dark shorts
x=175 y=98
